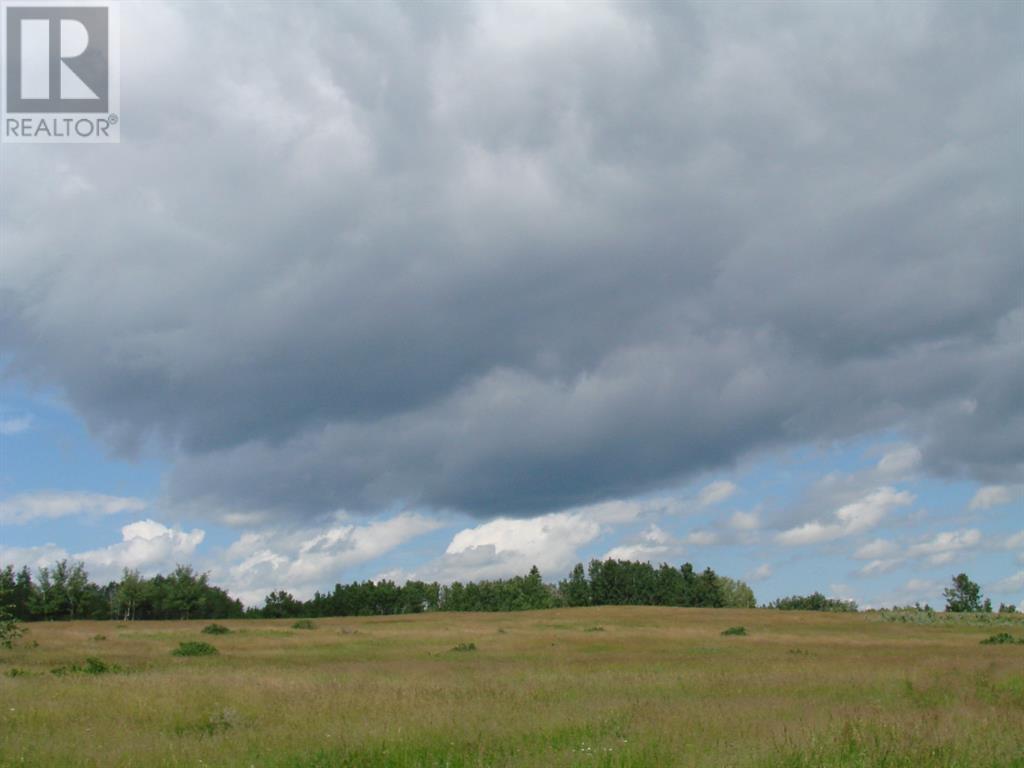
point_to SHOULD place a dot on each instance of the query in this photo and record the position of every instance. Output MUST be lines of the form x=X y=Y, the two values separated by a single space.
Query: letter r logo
x=58 y=59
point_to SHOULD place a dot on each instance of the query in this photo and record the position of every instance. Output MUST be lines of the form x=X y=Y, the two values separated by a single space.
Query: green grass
x=656 y=688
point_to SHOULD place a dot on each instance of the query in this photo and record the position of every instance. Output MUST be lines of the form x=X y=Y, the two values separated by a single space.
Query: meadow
x=606 y=686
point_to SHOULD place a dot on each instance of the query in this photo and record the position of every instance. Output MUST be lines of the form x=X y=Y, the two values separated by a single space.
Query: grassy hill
x=603 y=686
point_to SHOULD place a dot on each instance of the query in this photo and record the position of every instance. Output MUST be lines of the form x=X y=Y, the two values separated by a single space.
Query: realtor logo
x=62 y=78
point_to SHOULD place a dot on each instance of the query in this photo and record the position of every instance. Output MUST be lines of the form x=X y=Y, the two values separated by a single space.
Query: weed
x=193 y=648
x=93 y=666
x=218 y=722
x=303 y=624
x=735 y=631
x=16 y=672
x=463 y=647
x=99 y=637
x=1003 y=638
x=594 y=629
x=216 y=629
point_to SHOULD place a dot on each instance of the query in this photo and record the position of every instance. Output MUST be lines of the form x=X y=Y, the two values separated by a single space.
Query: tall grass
x=659 y=687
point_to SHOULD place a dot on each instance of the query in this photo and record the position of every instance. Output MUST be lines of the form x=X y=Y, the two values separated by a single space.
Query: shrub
x=218 y=722
x=1003 y=638
x=464 y=647
x=735 y=631
x=93 y=666
x=303 y=624
x=99 y=637
x=594 y=629
x=813 y=602
x=16 y=672
x=10 y=628
x=192 y=648
x=216 y=629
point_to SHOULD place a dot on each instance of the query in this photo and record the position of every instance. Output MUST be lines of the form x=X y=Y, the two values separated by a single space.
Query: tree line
x=64 y=591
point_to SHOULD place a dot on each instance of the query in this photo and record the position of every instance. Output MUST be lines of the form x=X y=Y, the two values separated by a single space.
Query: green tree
x=10 y=627
x=575 y=590
x=76 y=588
x=281 y=605
x=964 y=596
x=129 y=594
x=735 y=594
x=185 y=592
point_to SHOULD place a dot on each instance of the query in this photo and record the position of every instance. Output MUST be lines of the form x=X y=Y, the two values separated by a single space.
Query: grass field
x=576 y=687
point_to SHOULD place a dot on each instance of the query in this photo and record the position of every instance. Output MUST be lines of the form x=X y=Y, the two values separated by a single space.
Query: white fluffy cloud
x=305 y=559
x=504 y=546
x=652 y=544
x=760 y=573
x=1010 y=584
x=745 y=521
x=850 y=519
x=900 y=461
x=146 y=545
x=944 y=547
x=13 y=425
x=33 y=557
x=716 y=493
x=48 y=505
x=878 y=548
x=993 y=496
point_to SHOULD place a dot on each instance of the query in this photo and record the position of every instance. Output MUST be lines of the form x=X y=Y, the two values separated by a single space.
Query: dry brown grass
x=656 y=687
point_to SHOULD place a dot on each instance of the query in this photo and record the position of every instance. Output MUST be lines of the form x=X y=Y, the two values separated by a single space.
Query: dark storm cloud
x=514 y=258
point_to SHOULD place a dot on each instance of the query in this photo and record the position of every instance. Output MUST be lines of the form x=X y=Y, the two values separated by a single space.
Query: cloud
x=946 y=546
x=850 y=519
x=703 y=538
x=745 y=521
x=1011 y=584
x=48 y=505
x=146 y=545
x=527 y=304
x=716 y=493
x=15 y=425
x=900 y=461
x=992 y=496
x=876 y=549
x=653 y=544
x=878 y=567
x=33 y=557
x=508 y=546
x=760 y=573
x=303 y=560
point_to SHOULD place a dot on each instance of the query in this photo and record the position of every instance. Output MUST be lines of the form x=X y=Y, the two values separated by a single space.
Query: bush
x=813 y=602
x=735 y=631
x=16 y=672
x=464 y=647
x=218 y=722
x=99 y=637
x=10 y=628
x=303 y=624
x=594 y=629
x=216 y=629
x=192 y=648
x=1003 y=638
x=93 y=666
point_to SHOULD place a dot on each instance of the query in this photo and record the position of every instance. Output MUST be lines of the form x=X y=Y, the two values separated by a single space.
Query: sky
x=443 y=291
